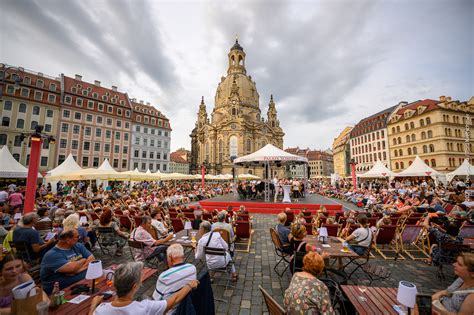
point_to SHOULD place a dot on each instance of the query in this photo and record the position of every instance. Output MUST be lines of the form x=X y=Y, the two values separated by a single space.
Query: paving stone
x=245 y=304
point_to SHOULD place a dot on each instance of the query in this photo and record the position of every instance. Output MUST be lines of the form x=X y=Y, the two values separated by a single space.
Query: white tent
x=105 y=166
x=418 y=168
x=11 y=168
x=83 y=174
x=67 y=166
x=463 y=170
x=247 y=176
x=378 y=170
x=272 y=154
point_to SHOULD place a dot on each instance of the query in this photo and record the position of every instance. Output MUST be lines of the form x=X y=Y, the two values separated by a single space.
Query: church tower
x=236 y=126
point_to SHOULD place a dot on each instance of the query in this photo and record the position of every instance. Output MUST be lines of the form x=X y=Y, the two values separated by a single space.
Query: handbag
x=27 y=306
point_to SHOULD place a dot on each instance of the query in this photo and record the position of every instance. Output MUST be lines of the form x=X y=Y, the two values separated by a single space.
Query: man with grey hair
x=127 y=281
x=25 y=233
x=214 y=240
x=221 y=224
x=178 y=274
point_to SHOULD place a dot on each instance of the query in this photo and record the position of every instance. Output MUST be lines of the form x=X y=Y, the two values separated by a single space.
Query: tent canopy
x=418 y=168
x=272 y=154
x=107 y=167
x=378 y=170
x=11 y=168
x=463 y=170
x=69 y=165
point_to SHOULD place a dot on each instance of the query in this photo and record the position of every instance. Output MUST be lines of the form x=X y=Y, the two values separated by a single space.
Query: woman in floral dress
x=306 y=294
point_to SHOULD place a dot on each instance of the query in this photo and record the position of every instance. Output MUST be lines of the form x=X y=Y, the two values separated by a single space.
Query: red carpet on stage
x=267 y=207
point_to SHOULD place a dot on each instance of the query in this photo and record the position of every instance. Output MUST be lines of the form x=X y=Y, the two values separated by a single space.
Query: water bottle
x=55 y=296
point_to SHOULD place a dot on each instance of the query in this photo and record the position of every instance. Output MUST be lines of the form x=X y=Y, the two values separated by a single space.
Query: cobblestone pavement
x=256 y=268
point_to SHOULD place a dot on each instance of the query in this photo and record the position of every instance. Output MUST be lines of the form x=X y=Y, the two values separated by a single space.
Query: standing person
x=16 y=199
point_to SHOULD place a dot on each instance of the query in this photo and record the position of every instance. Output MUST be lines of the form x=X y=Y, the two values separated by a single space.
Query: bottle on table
x=55 y=296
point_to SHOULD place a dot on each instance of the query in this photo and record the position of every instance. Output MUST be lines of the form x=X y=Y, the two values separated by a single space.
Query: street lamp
x=353 y=173
x=204 y=166
x=4 y=74
x=37 y=138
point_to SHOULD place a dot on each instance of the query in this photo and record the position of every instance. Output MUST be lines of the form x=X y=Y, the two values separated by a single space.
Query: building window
x=107 y=147
x=20 y=123
x=116 y=149
x=44 y=161
x=99 y=119
x=415 y=150
x=68 y=99
x=428 y=120
x=100 y=106
x=63 y=143
x=430 y=134
x=51 y=98
x=145 y=141
x=110 y=109
x=66 y=113
x=36 y=110
x=125 y=136
x=49 y=113
x=127 y=125
x=38 y=95
x=75 y=144
x=152 y=155
x=7 y=105
x=124 y=164
x=47 y=128
x=3 y=139
x=125 y=150
x=33 y=125
x=87 y=145
x=76 y=129
x=137 y=128
x=25 y=92
x=136 y=154
x=97 y=146
x=95 y=162
x=77 y=115
x=89 y=118
x=118 y=123
x=144 y=154
x=164 y=167
x=127 y=113
x=108 y=134
x=413 y=137
x=17 y=141
x=85 y=161
x=64 y=127
x=22 y=108
x=433 y=162
x=432 y=148
x=109 y=121
x=5 y=121
x=137 y=140
x=117 y=135
x=423 y=135
x=425 y=149
x=98 y=132
x=79 y=102
x=52 y=87
x=87 y=131
x=115 y=163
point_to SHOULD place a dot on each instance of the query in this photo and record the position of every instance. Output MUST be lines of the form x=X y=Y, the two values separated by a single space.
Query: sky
x=328 y=63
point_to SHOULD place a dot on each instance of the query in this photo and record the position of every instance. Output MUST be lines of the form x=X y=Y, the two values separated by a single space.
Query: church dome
x=237 y=46
x=247 y=90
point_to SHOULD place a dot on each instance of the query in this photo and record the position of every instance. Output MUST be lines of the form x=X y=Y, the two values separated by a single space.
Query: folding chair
x=273 y=307
x=377 y=272
x=409 y=238
x=212 y=251
x=467 y=231
x=361 y=260
x=177 y=225
x=44 y=227
x=448 y=255
x=332 y=229
x=137 y=221
x=24 y=251
x=125 y=222
x=280 y=252
x=137 y=248
x=105 y=236
x=290 y=216
x=243 y=233
x=386 y=237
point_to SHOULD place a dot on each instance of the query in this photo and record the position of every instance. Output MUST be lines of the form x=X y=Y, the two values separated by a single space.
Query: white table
x=286 y=193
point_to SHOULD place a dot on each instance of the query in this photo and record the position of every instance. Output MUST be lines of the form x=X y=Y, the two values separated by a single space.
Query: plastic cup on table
x=42 y=308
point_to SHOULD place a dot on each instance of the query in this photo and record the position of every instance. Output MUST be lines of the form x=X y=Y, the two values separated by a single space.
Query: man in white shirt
x=176 y=277
x=214 y=240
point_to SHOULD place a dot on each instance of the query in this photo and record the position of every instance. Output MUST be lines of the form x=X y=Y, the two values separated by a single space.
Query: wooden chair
x=281 y=252
x=467 y=231
x=386 y=237
x=44 y=227
x=243 y=233
x=227 y=269
x=409 y=241
x=225 y=235
x=137 y=221
x=273 y=307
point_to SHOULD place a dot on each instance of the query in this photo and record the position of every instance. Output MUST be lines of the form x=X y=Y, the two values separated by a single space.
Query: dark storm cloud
x=112 y=36
x=310 y=64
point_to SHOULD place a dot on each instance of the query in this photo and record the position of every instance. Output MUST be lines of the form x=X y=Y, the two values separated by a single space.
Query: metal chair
x=105 y=236
x=23 y=250
x=280 y=251
x=212 y=251
x=137 y=249
x=273 y=307
x=376 y=272
x=448 y=255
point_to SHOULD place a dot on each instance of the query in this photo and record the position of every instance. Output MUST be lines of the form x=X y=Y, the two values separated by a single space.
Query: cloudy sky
x=328 y=63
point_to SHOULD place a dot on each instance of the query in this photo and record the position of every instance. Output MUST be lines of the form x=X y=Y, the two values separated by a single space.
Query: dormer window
x=95 y=95
x=73 y=89
x=104 y=97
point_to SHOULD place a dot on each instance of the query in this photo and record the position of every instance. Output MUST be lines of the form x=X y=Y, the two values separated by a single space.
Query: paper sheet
x=326 y=245
x=49 y=236
x=78 y=299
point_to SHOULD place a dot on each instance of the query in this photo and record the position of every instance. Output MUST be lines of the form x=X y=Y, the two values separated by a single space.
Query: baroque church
x=236 y=127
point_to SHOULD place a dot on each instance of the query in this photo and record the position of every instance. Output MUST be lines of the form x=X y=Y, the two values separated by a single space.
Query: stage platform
x=312 y=202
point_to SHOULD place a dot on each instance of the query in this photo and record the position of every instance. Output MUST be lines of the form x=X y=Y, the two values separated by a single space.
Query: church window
x=249 y=146
x=273 y=124
x=207 y=151
x=234 y=112
x=233 y=147
x=220 y=150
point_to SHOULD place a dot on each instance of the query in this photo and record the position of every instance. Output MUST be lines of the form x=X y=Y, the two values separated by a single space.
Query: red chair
x=386 y=237
x=309 y=228
x=372 y=221
x=118 y=212
x=125 y=222
x=94 y=216
x=290 y=216
x=332 y=229
x=173 y=214
x=243 y=235
x=177 y=225
x=189 y=215
x=207 y=216
x=137 y=221
x=409 y=238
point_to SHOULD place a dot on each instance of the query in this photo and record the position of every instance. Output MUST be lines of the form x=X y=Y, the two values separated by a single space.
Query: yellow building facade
x=341 y=153
x=434 y=130
x=235 y=127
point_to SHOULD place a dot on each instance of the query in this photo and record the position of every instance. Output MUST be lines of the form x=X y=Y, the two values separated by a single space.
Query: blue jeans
x=357 y=249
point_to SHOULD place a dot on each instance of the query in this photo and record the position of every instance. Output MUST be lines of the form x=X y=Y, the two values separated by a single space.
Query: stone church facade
x=235 y=127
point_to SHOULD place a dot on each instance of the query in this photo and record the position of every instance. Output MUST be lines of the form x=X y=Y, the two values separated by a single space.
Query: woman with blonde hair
x=298 y=245
x=72 y=222
x=306 y=293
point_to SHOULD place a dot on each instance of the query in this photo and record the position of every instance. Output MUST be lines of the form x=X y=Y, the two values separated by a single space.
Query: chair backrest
x=125 y=222
x=467 y=231
x=213 y=251
x=273 y=307
x=22 y=249
x=44 y=226
x=385 y=234
x=136 y=244
x=103 y=230
x=332 y=229
x=290 y=216
x=224 y=234
x=410 y=233
x=242 y=229
x=137 y=220
x=276 y=239
x=177 y=224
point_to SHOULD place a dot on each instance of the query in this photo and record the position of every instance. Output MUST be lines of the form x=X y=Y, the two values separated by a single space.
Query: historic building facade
x=434 y=130
x=321 y=163
x=151 y=138
x=95 y=124
x=29 y=99
x=342 y=153
x=236 y=127
x=369 y=141
x=179 y=161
